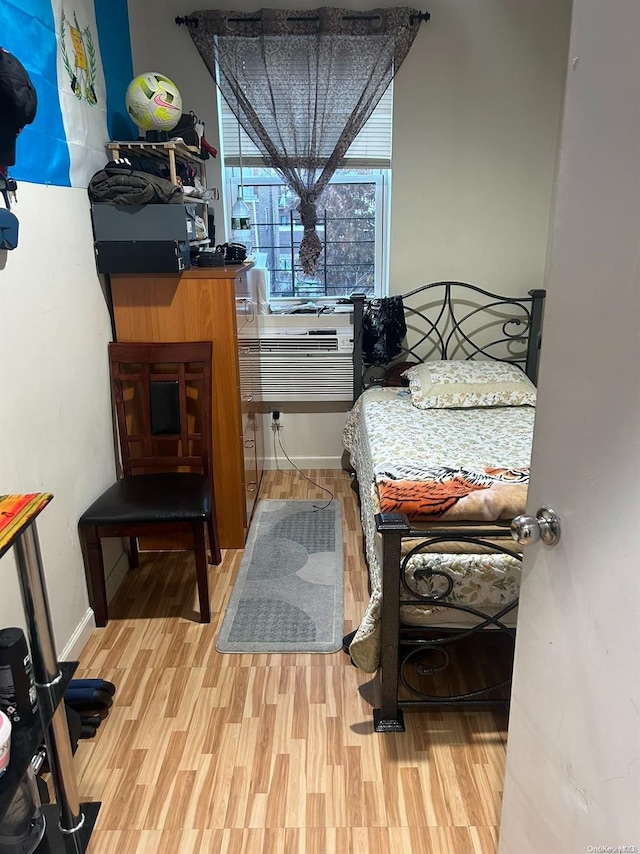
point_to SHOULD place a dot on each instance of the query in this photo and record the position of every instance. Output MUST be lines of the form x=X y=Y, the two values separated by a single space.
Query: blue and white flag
x=78 y=55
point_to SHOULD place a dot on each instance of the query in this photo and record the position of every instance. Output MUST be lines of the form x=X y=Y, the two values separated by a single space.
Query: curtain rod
x=193 y=22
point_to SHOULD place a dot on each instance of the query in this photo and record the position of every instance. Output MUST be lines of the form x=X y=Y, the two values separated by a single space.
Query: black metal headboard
x=456 y=320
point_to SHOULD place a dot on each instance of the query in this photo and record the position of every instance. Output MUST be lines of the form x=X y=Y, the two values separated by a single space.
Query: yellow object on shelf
x=17 y=512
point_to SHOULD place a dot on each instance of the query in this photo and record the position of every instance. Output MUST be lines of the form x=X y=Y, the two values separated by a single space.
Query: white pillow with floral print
x=464 y=384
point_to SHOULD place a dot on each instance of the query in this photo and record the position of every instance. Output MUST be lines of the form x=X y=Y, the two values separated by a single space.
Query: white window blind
x=371 y=149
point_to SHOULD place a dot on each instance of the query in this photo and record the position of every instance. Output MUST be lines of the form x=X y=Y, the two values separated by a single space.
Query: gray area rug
x=288 y=596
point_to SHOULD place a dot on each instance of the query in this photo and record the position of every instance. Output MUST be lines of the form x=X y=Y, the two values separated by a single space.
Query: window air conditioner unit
x=306 y=364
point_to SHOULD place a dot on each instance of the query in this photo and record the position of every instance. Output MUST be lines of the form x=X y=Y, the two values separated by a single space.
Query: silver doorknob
x=545 y=526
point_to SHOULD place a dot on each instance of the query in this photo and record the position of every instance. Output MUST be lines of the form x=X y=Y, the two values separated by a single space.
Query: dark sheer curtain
x=302 y=85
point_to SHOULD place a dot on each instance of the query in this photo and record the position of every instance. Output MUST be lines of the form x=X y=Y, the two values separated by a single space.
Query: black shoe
x=346 y=641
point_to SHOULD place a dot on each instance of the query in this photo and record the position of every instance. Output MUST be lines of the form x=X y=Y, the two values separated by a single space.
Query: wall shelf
x=170 y=155
x=168 y=152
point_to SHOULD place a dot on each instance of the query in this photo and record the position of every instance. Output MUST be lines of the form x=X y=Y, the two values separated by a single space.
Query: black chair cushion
x=166 y=497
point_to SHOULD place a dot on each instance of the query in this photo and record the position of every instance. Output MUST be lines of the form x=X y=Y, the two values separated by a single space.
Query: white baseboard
x=79 y=638
x=87 y=624
x=303 y=463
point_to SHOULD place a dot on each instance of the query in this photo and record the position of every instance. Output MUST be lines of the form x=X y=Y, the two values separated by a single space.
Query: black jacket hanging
x=383 y=330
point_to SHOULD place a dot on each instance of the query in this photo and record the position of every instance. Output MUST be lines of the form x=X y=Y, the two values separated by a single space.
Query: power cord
x=275 y=423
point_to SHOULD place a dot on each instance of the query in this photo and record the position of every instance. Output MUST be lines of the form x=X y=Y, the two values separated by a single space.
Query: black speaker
x=142 y=256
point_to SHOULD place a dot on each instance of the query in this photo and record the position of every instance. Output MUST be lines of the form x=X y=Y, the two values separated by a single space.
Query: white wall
x=158 y=44
x=311 y=439
x=55 y=422
x=477 y=109
x=477 y=106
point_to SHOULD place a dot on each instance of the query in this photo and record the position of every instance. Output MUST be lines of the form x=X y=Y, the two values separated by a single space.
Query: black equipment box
x=139 y=222
x=141 y=238
x=142 y=256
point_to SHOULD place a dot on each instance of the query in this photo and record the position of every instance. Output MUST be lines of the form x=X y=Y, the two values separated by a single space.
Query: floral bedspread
x=385 y=432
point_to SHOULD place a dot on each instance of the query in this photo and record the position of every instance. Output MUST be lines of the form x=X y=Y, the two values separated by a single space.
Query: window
x=353 y=213
x=351 y=216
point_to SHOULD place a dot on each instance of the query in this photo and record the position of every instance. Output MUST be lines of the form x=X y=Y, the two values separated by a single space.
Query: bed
x=441 y=467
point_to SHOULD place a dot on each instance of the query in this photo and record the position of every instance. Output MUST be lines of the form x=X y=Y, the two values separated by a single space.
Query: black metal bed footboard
x=410 y=654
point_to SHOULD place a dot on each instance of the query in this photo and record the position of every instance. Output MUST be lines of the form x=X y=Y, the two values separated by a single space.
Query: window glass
x=351 y=216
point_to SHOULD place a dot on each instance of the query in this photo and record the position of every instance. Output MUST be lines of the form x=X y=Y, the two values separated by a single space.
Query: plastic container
x=5 y=742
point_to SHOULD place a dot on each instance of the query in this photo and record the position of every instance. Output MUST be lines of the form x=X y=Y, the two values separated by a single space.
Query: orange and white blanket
x=444 y=464
x=425 y=494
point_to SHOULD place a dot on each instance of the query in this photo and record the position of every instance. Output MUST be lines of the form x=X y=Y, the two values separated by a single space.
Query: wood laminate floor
x=204 y=752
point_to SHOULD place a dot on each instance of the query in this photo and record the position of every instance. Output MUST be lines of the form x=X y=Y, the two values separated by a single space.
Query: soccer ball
x=153 y=101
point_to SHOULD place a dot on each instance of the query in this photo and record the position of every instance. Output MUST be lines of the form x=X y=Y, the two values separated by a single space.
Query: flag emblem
x=82 y=72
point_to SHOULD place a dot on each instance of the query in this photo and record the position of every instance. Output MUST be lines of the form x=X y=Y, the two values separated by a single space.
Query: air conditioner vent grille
x=287 y=344
x=306 y=368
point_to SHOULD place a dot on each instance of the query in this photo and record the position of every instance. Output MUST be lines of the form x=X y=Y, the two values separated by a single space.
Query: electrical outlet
x=276 y=419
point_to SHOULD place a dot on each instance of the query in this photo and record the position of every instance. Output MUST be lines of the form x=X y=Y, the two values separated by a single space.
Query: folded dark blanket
x=118 y=186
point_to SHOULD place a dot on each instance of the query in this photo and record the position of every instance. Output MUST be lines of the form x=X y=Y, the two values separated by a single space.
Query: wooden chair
x=162 y=392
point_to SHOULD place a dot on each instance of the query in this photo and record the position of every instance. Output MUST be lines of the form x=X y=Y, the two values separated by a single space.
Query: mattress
x=386 y=433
